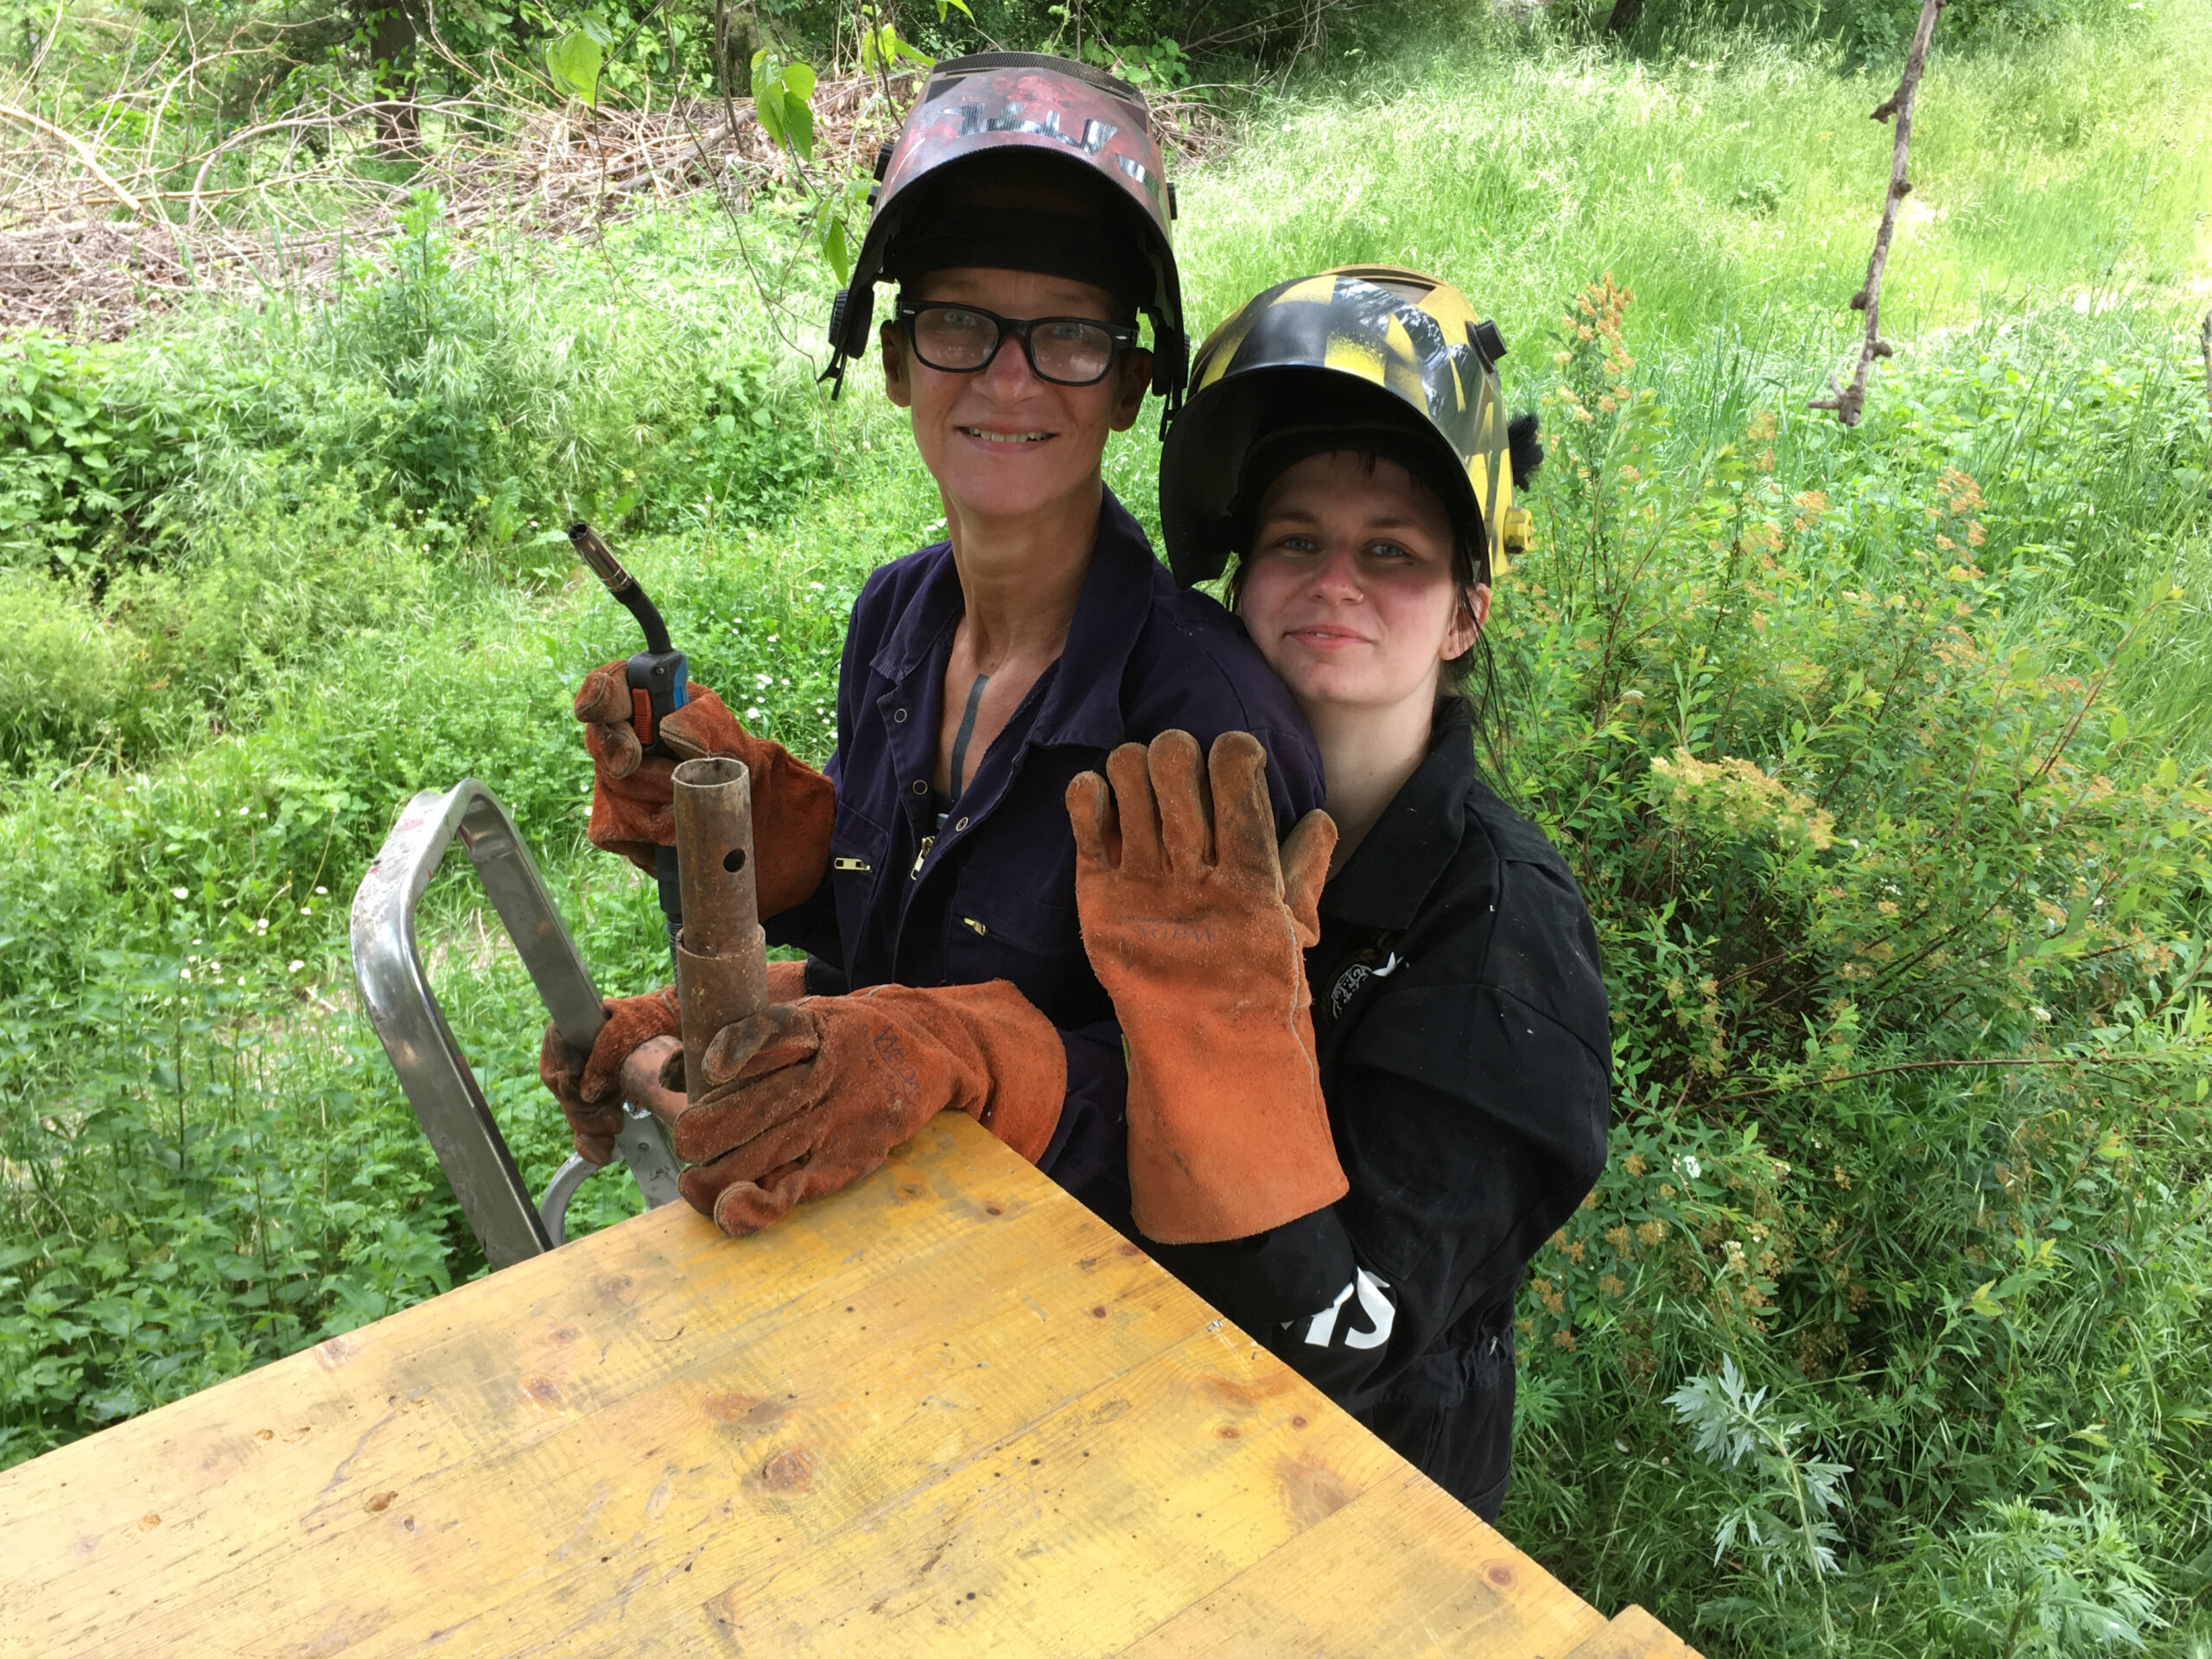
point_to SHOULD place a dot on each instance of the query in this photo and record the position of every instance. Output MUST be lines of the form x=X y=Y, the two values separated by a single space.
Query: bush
x=270 y=584
x=84 y=460
x=189 y=646
x=1904 y=928
x=68 y=683
x=486 y=401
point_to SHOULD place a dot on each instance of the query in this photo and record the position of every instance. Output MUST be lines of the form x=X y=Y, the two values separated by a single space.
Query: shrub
x=1904 y=929
x=270 y=583
x=84 y=460
x=67 y=682
x=474 y=402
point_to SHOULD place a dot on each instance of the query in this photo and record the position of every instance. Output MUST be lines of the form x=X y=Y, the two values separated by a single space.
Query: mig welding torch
x=660 y=685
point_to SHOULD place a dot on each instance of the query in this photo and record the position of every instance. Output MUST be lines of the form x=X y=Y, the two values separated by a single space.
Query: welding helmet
x=1366 y=357
x=977 y=111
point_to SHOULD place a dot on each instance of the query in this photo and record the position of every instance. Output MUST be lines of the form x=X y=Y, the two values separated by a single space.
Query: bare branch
x=84 y=152
x=1849 y=401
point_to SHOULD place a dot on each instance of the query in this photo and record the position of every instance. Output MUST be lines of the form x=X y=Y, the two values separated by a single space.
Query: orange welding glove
x=633 y=795
x=589 y=1087
x=1197 y=929
x=806 y=1097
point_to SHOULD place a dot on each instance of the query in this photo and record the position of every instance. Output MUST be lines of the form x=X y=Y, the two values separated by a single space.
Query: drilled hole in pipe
x=733 y=860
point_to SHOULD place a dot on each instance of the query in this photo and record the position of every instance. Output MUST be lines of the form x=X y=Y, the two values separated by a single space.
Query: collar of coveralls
x=1396 y=867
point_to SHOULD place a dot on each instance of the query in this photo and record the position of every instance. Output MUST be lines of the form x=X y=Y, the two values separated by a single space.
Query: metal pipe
x=721 y=955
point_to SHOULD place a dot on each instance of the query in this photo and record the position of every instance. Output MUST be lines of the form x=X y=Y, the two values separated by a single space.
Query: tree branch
x=1850 y=402
x=83 y=153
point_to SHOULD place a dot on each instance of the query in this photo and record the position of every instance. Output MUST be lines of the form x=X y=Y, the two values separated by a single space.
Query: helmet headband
x=1006 y=239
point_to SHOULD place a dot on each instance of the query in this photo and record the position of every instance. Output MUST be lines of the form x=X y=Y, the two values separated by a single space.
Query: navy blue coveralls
x=987 y=891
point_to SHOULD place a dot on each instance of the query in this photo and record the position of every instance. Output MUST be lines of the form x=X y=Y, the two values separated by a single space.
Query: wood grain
x=947 y=1410
x=1404 y=1569
x=1633 y=1634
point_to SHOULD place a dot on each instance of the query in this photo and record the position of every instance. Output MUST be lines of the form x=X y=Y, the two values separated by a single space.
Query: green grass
x=358 y=589
x=1739 y=191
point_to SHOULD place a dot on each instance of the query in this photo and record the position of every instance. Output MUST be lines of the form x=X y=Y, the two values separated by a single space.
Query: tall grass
x=340 y=578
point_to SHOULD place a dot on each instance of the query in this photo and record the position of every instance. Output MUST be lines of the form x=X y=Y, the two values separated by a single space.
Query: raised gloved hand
x=1197 y=929
x=805 y=1097
x=589 y=1087
x=633 y=795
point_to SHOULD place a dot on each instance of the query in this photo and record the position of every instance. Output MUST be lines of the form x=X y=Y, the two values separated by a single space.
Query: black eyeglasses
x=964 y=339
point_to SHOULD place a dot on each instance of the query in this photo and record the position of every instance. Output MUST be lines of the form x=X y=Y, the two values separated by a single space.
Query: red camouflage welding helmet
x=975 y=108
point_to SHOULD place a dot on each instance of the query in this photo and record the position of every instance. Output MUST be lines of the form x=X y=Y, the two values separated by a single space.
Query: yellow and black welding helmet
x=1365 y=357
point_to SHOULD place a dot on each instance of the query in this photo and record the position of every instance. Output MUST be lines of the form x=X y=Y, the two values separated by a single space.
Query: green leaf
x=798 y=80
x=835 y=251
x=768 y=97
x=574 y=60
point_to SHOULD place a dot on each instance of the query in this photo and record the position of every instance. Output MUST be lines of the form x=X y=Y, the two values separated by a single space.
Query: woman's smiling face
x=1001 y=442
x=1348 y=588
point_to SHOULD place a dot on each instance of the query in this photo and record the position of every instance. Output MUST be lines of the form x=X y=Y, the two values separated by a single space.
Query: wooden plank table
x=947 y=1411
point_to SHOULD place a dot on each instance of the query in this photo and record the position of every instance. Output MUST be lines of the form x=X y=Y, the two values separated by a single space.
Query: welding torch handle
x=669 y=884
x=659 y=678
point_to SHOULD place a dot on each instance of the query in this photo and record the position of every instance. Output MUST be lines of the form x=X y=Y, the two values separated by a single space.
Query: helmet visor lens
x=964 y=339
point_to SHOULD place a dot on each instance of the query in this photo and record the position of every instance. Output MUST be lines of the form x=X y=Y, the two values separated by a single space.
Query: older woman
x=929 y=872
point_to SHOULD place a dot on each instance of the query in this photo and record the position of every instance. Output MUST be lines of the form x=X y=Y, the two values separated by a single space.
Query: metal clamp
x=448 y=1101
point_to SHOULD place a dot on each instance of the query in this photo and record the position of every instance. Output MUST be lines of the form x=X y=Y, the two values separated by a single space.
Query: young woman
x=1446 y=1093
x=930 y=873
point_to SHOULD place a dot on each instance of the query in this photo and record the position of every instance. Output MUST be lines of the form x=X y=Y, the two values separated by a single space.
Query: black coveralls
x=1465 y=1055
